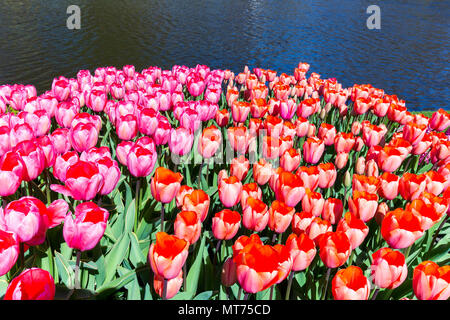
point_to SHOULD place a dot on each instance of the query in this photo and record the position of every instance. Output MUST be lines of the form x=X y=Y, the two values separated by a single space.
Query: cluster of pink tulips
x=198 y=183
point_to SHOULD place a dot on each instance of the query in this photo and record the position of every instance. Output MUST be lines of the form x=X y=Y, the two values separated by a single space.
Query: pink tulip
x=9 y=251
x=126 y=127
x=141 y=161
x=11 y=173
x=180 y=141
x=83 y=181
x=87 y=228
x=33 y=157
x=31 y=284
x=83 y=136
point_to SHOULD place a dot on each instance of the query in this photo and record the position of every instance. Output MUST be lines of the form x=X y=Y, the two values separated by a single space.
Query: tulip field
x=198 y=183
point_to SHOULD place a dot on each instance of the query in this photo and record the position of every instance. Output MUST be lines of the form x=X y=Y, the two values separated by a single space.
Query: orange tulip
x=187 y=226
x=225 y=224
x=197 y=201
x=431 y=282
x=350 y=284
x=167 y=255
x=165 y=184
x=334 y=248
x=280 y=216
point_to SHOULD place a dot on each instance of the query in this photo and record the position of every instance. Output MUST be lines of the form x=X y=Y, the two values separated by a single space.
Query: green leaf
x=133 y=287
x=136 y=256
x=65 y=271
x=3 y=287
x=147 y=292
x=204 y=295
x=115 y=257
x=130 y=216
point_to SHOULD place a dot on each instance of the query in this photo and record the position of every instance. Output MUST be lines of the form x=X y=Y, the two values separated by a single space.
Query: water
x=408 y=56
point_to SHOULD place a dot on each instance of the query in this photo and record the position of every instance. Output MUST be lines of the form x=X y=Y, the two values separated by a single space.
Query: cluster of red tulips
x=134 y=185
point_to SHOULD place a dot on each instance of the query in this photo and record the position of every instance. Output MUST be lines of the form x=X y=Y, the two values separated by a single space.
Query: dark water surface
x=408 y=56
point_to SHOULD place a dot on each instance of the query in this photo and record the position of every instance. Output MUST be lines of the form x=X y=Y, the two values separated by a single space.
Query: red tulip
x=355 y=229
x=412 y=186
x=187 y=226
x=363 y=204
x=165 y=184
x=225 y=224
x=255 y=215
x=197 y=201
x=401 y=228
x=302 y=251
x=167 y=255
x=350 y=284
x=388 y=268
x=9 y=251
x=431 y=282
x=332 y=210
x=280 y=216
x=334 y=249
x=31 y=284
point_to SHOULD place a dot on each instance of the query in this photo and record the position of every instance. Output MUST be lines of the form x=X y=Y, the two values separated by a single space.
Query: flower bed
x=194 y=183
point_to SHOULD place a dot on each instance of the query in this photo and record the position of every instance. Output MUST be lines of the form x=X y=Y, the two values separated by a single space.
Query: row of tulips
x=194 y=183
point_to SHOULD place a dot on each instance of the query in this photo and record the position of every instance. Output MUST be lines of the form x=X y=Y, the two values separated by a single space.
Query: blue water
x=408 y=56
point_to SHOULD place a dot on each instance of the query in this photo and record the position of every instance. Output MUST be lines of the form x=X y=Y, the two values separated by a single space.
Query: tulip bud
x=347 y=179
x=228 y=275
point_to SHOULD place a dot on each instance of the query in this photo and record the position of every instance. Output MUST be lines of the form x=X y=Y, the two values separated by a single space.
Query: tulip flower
x=302 y=250
x=225 y=224
x=334 y=248
x=83 y=181
x=31 y=284
x=327 y=175
x=167 y=255
x=209 y=142
x=412 y=186
x=83 y=136
x=230 y=191
x=313 y=149
x=173 y=285
x=197 y=201
x=262 y=171
x=87 y=228
x=290 y=188
x=255 y=215
x=140 y=160
x=350 y=284
x=9 y=251
x=388 y=268
x=33 y=158
x=332 y=210
x=280 y=216
x=239 y=167
x=165 y=184
x=250 y=190
x=187 y=226
x=257 y=267
x=355 y=229
x=388 y=187
x=363 y=204
x=431 y=282
x=180 y=141
x=11 y=173
x=401 y=228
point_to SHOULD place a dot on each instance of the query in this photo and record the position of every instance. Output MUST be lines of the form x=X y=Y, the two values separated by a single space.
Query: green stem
x=326 y=284
x=77 y=268
x=164 y=293
x=162 y=217
x=138 y=190
x=288 y=290
x=436 y=233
